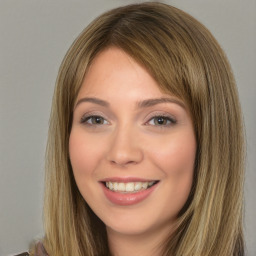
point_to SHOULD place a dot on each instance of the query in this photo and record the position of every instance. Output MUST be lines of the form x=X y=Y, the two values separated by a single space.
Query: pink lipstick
x=127 y=191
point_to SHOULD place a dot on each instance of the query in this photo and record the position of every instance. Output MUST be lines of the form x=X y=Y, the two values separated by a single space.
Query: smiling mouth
x=129 y=187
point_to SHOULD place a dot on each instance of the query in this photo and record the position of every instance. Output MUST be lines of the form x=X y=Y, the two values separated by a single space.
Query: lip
x=126 y=179
x=126 y=199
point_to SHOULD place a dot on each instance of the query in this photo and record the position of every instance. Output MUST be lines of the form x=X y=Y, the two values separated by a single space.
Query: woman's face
x=132 y=147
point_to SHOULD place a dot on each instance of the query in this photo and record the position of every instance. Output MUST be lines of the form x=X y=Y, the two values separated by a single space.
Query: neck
x=145 y=244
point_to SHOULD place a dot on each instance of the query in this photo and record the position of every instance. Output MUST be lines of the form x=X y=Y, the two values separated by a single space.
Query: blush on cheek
x=178 y=160
x=80 y=152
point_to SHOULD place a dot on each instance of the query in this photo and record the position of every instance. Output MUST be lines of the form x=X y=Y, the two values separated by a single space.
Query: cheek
x=84 y=154
x=176 y=154
x=176 y=159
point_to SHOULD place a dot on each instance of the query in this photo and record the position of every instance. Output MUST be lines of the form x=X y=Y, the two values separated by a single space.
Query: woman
x=145 y=148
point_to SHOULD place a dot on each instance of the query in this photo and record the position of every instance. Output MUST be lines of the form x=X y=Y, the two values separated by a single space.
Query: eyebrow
x=152 y=102
x=93 y=100
x=140 y=104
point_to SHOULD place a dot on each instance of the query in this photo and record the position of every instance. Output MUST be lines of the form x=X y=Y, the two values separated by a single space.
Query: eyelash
x=85 y=119
x=168 y=120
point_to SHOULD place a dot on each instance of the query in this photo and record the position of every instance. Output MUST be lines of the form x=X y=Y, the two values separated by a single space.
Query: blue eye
x=94 y=120
x=161 y=121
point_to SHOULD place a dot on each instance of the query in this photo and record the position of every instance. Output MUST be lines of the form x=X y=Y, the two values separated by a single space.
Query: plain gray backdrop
x=34 y=36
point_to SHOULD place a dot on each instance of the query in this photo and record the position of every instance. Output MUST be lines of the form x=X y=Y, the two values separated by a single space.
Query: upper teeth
x=128 y=187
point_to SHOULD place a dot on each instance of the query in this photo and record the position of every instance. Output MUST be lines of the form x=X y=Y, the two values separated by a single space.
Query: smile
x=130 y=191
x=129 y=187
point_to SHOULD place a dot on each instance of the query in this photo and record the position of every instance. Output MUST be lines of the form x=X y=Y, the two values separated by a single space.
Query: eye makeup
x=93 y=120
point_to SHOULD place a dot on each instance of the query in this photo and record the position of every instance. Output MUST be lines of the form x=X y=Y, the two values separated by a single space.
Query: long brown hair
x=186 y=61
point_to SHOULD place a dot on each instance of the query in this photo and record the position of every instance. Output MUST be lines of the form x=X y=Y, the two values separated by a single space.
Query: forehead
x=114 y=73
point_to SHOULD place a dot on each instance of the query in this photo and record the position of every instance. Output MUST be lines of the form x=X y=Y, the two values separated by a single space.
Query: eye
x=94 y=120
x=161 y=121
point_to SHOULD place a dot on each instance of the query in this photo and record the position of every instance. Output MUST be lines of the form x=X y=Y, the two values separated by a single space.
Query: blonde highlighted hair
x=186 y=61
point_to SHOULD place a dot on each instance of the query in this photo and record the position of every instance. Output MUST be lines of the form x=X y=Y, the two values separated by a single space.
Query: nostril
x=123 y=164
x=124 y=151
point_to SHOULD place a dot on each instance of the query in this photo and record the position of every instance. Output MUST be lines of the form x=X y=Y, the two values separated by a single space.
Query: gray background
x=34 y=36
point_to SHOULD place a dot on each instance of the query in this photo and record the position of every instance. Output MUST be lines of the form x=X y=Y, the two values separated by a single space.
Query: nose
x=125 y=148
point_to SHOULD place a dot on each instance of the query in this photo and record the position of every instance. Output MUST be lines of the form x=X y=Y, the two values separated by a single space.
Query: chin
x=128 y=229
x=130 y=225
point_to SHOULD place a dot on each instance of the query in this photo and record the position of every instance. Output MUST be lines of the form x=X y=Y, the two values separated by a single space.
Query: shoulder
x=38 y=251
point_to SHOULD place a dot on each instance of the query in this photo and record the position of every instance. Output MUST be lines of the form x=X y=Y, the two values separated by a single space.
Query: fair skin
x=130 y=136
